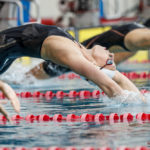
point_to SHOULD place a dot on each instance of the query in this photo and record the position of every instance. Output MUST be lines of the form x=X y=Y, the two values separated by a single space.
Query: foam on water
x=17 y=78
x=16 y=73
x=129 y=97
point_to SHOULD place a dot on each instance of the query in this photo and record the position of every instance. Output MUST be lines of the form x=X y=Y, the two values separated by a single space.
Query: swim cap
x=109 y=73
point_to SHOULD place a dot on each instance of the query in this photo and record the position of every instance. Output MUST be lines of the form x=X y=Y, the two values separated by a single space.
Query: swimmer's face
x=101 y=55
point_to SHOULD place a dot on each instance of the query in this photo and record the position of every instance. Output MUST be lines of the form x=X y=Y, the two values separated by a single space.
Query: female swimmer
x=54 y=44
x=124 y=41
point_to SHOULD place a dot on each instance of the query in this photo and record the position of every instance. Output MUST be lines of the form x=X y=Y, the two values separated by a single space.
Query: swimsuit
x=25 y=40
x=113 y=37
x=53 y=69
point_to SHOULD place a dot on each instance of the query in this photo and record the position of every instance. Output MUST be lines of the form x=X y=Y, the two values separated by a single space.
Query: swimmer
x=54 y=44
x=11 y=95
x=124 y=41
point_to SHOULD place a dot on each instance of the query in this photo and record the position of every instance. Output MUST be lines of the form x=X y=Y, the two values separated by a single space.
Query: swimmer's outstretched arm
x=67 y=53
x=10 y=94
x=91 y=72
x=126 y=84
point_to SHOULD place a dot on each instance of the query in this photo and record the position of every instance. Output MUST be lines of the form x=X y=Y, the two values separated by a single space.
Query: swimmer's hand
x=4 y=112
x=11 y=95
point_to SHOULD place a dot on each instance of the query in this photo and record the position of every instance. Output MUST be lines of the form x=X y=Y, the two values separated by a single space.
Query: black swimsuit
x=113 y=37
x=25 y=40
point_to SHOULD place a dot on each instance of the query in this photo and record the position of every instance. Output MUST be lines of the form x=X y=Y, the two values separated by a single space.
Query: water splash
x=16 y=74
x=17 y=78
x=129 y=97
x=130 y=102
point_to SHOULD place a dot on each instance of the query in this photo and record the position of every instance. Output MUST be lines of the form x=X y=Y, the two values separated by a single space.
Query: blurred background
x=82 y=18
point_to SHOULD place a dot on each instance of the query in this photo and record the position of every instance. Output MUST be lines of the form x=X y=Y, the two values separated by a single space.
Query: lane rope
x=83 y=94
x=131 y=75
x=85 y=117
x=75 y=148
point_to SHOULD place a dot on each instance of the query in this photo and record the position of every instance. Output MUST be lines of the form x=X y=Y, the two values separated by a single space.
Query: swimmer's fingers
x=4 y=112
x=11 y=95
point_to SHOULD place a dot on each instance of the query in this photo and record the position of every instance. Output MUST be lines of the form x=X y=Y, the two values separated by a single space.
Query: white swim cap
x=108 y=72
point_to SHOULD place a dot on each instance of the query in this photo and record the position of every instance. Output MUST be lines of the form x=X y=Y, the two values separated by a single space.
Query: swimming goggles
x=108 y=62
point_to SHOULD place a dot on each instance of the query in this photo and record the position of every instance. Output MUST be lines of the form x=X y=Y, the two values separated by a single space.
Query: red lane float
x=72 y=94
x=69 y=76
x=35 y=94
x=141 y=116
x=88 y=148
x=99 y=117
x=55 y=148
x=105 y=148
x=126 y=117
x=141 y=148
x=113 y=116
x=124 y=148
x=37 y=148
x=135 y=75
x=21 y=148
x=87 y=117
x=72 y=117
x=5 y=148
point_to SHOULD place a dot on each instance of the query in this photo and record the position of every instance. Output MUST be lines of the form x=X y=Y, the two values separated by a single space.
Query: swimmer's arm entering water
x=126 y=84
x=91 y=72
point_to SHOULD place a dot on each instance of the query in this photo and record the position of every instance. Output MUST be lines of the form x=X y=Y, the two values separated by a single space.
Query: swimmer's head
x=103 y=58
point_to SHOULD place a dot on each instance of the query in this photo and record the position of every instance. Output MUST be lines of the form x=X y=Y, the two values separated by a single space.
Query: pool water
x=78 y=134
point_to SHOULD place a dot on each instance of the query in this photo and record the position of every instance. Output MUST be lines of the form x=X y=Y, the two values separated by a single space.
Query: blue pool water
x=78 y=134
